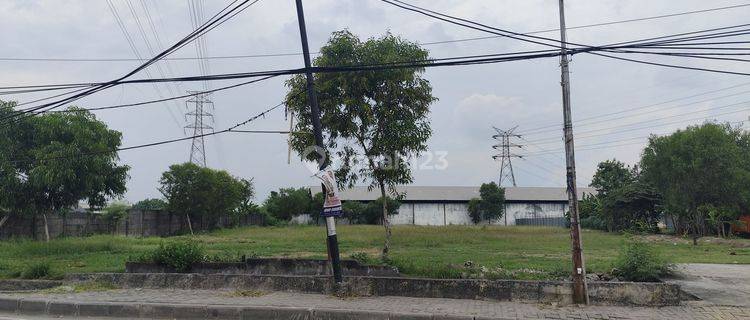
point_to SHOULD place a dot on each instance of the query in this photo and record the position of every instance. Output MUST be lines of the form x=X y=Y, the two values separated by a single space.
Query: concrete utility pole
x=580 y=292
x=333 y=244
x=506 y=166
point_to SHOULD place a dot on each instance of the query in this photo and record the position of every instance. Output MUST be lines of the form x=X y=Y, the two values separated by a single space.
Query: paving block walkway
x=216 y=304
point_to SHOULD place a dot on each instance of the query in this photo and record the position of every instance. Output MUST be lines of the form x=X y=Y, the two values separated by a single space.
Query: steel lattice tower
x=202 y=121
x=504 y=145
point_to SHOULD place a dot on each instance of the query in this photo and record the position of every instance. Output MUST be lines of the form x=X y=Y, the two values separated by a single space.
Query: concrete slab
x=720 y=284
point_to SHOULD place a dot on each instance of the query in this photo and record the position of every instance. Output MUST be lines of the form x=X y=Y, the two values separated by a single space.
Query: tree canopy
x=701 y=165
x=370 y=119
x=492 y=204
x=623 y=202
x=50 y=162
x=203 y=192
x=288 y=203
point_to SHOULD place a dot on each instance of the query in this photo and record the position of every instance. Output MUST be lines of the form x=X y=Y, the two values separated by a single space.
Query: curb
x=217 y=312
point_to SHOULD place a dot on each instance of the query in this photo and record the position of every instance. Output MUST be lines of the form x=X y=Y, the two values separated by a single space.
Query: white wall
x=457 y=213
x=429 y=214
x=515 y=211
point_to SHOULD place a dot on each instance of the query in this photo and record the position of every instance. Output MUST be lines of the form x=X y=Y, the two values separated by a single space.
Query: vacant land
x=519 y=252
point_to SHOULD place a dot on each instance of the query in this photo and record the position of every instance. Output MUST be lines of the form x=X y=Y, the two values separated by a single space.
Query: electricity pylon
x=202 y=121
x=504 y=145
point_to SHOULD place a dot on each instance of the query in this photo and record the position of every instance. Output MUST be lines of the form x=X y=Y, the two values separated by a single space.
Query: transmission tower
x=504 y=145
x=202 y=121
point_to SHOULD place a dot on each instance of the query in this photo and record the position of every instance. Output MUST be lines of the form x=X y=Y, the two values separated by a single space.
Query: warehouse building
x=441 y=206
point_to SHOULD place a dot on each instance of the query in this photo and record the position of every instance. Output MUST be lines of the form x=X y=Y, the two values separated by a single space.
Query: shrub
x=150 y=204
x=362 y=258
x=37 y=271
x=178 y=255
x=639 y=261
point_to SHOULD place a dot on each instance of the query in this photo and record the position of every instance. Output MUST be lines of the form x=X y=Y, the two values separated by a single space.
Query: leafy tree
x=114 y=212
x=475 y=210
x=370 y=119
x=590 y=211
x=701 y=165
x=355 y=211
x=623 y=202
x=202 y=192
x=246 y=206
x=635 y=206
x=288 y=203
x=150 y=204
x=611 y=175
x=51 y=162
x=492 y=204
x=316 y=206
x=373 y=213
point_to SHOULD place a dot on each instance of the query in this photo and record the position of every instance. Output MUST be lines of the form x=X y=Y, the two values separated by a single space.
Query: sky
x=472 y=99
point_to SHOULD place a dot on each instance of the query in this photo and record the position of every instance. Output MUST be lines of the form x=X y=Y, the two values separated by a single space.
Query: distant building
x=440 y=206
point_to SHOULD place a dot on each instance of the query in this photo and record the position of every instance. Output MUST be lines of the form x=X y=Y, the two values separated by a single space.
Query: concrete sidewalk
x=727 y=284
x=210 y=304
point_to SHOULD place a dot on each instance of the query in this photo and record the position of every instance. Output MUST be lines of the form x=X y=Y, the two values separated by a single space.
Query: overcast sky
x=472 y=99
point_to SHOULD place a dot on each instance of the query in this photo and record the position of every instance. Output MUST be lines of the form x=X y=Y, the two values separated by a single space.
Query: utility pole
x=580 y=292
x=333 y=244
x=506 y=166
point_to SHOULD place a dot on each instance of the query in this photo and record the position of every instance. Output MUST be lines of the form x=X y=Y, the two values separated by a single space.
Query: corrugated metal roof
x=443 y=193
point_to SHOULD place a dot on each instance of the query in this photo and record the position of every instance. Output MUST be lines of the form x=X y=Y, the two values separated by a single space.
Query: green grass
x=521 y=252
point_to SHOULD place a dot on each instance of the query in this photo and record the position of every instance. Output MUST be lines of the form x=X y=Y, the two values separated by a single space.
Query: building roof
x=444 y=193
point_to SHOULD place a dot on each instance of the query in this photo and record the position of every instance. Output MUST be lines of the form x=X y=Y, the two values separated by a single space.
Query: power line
x=162 y=142
x=587 y=123
x=551 y=140
x=245 y=56
x=536 y=39
x=220 y=17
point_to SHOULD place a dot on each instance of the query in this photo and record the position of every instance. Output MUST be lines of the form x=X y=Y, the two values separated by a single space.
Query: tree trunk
x=46 y=227
x=386 y=223
x=190 y=225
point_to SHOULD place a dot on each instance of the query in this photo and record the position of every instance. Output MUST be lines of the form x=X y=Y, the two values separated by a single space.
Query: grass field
x=525 y=252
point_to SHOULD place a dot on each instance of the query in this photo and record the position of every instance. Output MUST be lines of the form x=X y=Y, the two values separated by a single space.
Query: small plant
x=37 y=270
x=178 y=255
x=362 y=258
x=639 y=261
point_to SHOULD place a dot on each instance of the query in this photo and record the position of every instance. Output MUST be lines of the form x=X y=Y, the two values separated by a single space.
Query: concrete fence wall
x=457 y=213
x=137 y=223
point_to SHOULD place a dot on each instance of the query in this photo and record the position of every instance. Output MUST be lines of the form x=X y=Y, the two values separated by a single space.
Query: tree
x=623 y=201
x=611 y=175
x=492 y=204
x=475 y=210
x=373 y=213
x=113 y=213
x=702 y=165
x=150 y=204
x=288 y=203
x=52 y=161
x=370 y=119
x=202 y=192
x=354 y=211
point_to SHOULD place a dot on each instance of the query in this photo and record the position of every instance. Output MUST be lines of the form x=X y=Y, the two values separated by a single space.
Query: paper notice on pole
x=332 y=204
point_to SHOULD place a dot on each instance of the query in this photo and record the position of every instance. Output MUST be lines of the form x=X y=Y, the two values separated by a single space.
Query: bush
x=363 y=258
x=639 y=261
x=37 y=271
x=178 y=255
x=150 y=204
